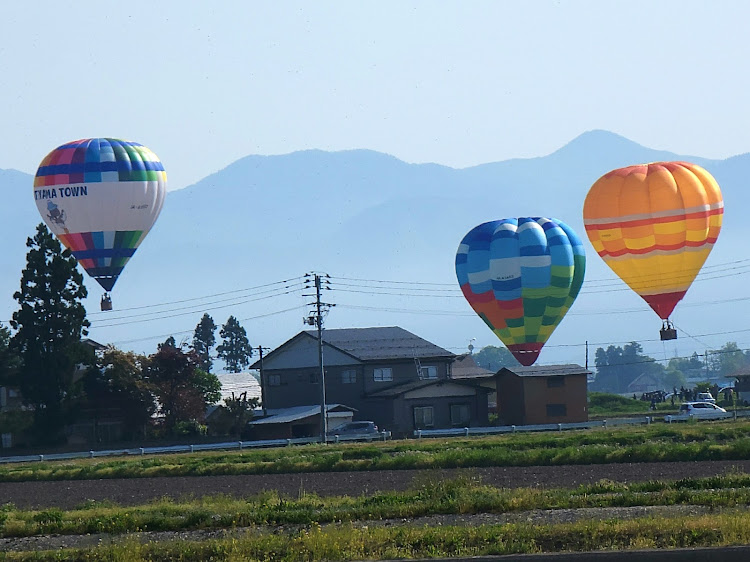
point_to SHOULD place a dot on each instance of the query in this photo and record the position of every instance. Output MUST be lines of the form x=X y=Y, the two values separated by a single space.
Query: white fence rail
x=380 y=436
x=226 y=446
x=467 y=431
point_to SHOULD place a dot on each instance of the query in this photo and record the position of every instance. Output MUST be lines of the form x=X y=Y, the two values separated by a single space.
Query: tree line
x=618 y=366
x=62 y=380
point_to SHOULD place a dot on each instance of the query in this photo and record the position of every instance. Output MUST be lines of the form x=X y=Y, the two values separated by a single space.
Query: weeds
x=710 y=441
x=429 y=496
x=349 y=542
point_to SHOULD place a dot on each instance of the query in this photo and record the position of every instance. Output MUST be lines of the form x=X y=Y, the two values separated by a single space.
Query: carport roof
x=287 y=415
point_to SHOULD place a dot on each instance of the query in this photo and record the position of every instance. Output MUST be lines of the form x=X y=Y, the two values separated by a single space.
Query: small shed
x=542 y=394
x=297 y=421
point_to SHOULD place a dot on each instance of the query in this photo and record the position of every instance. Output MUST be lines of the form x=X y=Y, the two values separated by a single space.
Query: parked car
x=706 y=397
x=355 y=428
x=700 y=409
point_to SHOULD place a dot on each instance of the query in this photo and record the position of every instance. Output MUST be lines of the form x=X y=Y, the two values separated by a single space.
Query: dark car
x=355 y=428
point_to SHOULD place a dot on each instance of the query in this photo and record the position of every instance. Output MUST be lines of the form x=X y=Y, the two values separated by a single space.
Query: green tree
x=117 y=383
x=238 y=410
x=9 y=360
x=183 y=389
x=48 y=330
x=617 y=367
x=727 y=360
x=495 y=358
x=204 y=338
x=235 y=349
x=169 y=342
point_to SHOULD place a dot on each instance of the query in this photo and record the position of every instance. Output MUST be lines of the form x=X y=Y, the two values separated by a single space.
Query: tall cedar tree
x=204 y=338
x=9 y=360
x=182 y=388
x=235 y=350
x=116 y=385
x=49 y=327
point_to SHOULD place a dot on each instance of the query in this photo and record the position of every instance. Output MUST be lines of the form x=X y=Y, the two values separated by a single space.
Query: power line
x=297 y=279
x=198 y=308
x=148 y=338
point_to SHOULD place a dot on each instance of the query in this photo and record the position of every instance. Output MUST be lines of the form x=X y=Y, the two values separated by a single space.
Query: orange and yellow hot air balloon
x=654 y=225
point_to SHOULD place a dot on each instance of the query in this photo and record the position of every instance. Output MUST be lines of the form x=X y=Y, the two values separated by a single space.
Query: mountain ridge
x=368 y=215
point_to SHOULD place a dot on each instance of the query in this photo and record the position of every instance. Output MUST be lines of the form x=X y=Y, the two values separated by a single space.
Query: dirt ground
x=68 y=494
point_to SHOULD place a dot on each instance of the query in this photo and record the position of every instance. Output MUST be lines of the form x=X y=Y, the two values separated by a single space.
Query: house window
x=460 y=414
x=555 y=382
x=423 y=417
x=382 y=375
x=556 y=410
x=274 y=380
x=349 y=376
x=428 y=372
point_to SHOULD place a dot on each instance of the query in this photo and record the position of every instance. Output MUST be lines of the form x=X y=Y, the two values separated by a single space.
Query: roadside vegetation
x=271 y=527
x=719 y=440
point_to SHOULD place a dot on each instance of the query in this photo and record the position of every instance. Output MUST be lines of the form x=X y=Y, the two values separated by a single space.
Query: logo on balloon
x=112 y=191
x=521 y=277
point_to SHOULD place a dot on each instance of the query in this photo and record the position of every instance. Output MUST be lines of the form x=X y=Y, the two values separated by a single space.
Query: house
x=388 y=375
x=542 y=394
x=645 y=383
x=465 y=368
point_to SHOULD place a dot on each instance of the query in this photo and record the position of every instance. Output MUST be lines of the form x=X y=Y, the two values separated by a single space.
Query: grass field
x=270 y=527
x=385 y=525
x=720 y=440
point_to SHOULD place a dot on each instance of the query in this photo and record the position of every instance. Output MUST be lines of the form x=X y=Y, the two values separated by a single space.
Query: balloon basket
x=106 y=303
x=668 y=334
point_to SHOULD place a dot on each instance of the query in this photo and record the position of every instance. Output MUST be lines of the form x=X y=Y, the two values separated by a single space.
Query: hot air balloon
x=521 y=276
x=654 y=225
x=100 y=197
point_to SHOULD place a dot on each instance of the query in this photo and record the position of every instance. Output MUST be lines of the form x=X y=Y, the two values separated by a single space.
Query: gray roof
x=400 y=389
x=546 y=370
x=465 y=367
x=381 y=343
x=287 y=415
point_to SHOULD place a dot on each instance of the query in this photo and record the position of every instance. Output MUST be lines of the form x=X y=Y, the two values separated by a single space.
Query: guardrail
x=466 y=431
x=226 y=446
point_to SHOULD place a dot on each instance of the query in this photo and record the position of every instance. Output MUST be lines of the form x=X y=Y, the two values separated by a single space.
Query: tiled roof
x=381 y=343
x=546 y=370
x=465 y=367
x=414 y=385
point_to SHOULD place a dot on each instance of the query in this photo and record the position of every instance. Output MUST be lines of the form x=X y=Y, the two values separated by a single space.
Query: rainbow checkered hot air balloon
x=654 y=225
x=100 y=197
x=521 y=276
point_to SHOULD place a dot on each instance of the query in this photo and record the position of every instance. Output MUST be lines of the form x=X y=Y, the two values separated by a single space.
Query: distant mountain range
x=365 y=218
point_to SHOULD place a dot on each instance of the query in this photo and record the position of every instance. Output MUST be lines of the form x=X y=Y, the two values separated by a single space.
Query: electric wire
x=206 y=306
x=249 y=318
x=163 y=316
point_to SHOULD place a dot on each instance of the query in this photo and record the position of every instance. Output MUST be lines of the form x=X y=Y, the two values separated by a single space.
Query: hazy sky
x=457 y=83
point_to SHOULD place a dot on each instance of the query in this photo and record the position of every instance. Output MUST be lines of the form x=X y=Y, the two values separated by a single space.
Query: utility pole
x=315 y=318
x=262 y=381
x=587 y=355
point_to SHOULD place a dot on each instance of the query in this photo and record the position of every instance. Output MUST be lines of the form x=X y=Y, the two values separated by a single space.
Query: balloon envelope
x=654 y=225
x=521 y=276
x=100 y=197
